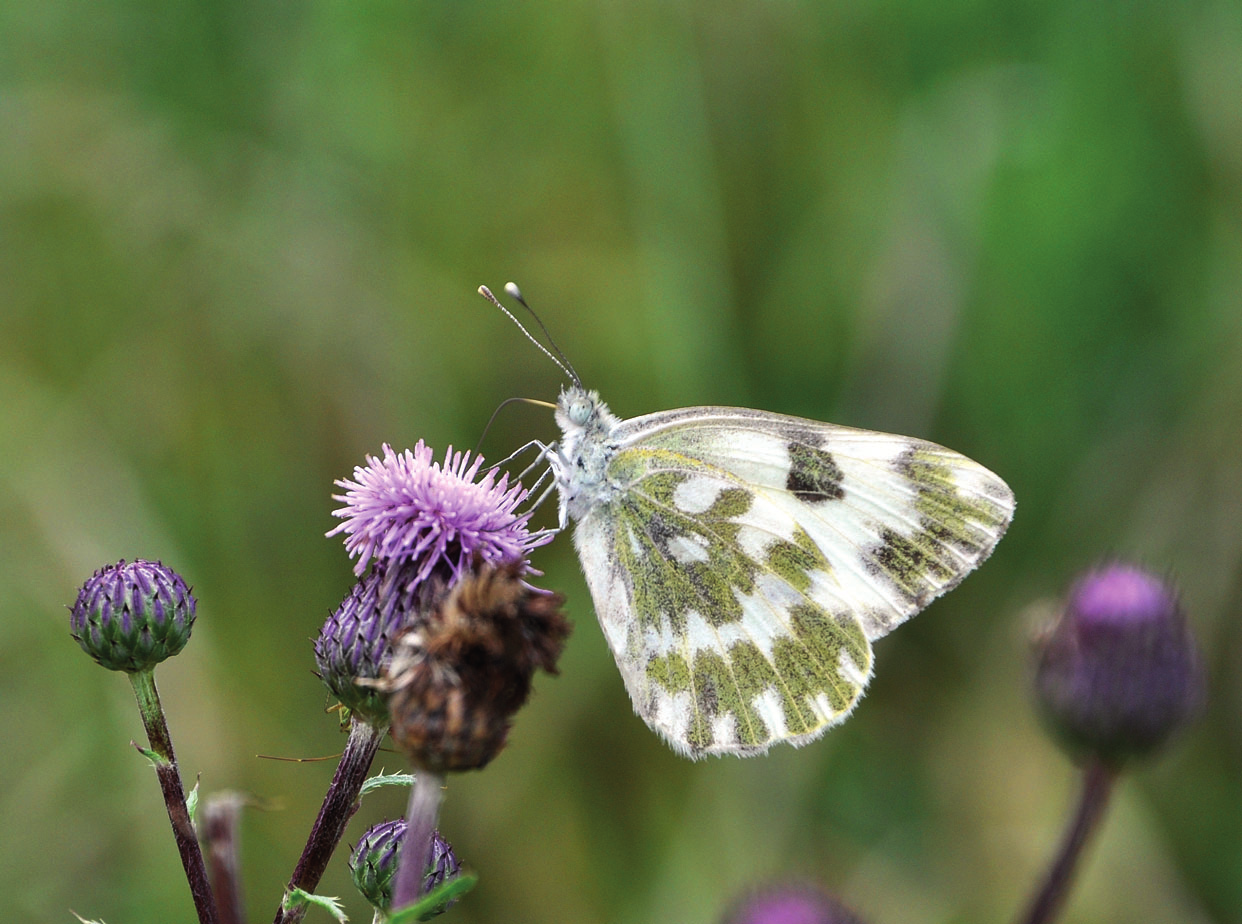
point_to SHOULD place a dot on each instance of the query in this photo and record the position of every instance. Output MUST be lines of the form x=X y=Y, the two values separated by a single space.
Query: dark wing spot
x=913 y=565
x=813 y=474
x=708 y=696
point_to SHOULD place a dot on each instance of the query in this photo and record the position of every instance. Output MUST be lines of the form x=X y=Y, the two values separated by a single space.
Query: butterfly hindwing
x=743 y=561
x=708 y=595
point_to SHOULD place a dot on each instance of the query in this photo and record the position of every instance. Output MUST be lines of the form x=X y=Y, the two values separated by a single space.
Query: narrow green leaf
x=157 y=760
x=332 y=905
x=427 y=906
x=386 y=779
x=191 y=801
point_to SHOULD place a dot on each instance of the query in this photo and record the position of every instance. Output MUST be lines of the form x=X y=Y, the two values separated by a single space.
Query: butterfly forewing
x=899 y=520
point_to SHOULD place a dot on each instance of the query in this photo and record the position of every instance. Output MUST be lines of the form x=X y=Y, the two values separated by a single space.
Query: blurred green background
x=239 y=243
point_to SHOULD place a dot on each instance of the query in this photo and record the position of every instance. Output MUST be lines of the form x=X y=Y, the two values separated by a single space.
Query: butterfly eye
x=580 y=411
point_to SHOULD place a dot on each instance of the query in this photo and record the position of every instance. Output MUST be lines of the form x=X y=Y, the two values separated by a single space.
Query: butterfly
x=742 y=562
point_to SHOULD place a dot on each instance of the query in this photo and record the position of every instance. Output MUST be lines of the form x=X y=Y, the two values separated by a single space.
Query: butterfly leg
x=543 y=448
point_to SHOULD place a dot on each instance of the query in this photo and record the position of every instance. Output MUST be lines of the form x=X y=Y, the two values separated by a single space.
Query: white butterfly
x=742 y=562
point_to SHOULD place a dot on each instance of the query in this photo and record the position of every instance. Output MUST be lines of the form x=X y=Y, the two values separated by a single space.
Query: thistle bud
x=1119 y=671
x=131 y=616
x=373 y=863
x=355 y=644
x=458 y=677
x=790 y=904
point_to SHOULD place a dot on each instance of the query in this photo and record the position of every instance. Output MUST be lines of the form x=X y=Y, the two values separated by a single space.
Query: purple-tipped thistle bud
x=131 y=616
x=442 y=865
x=459 y=676
x=355 y=643
x=790 y=904
x=1119 y=672
x=373 y=863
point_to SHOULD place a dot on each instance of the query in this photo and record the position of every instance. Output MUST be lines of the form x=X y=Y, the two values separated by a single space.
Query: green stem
x=174 y=796
x=339 y=805
x=1097 y=786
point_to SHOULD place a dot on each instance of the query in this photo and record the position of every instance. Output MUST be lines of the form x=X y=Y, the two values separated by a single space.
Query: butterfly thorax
x=581 y=459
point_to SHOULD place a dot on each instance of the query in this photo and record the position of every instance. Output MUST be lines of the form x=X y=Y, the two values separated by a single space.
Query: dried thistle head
x=458 y=678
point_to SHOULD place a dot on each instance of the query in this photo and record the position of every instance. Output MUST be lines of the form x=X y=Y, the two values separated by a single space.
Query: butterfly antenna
x=487 y=293
x=515 y=293
x=505 y=403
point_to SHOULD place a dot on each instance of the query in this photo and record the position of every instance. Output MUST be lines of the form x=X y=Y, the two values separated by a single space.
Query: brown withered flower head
x=458 y=677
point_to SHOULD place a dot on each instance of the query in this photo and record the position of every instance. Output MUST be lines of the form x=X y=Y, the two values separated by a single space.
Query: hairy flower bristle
x=790 y=904
x=406 y=507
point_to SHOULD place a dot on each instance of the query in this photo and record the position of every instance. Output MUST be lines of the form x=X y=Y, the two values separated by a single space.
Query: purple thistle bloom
x=790 y=904
x=407 y=508
x=131 y=616
x=1119 y=672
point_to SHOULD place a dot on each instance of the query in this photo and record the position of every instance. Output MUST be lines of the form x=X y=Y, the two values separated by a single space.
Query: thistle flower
x=373 y=862
x=459 y=676
x=452 y=545
x=1119 y=672
x=423 y=524
x=131 y=616
x=407 y=508
x=790 y=904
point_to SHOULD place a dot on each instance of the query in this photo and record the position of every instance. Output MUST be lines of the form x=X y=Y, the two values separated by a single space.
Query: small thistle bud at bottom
x=373 y=863
x=790 y=904
x=131 y=616
x=459 y=677
x=1119 y=671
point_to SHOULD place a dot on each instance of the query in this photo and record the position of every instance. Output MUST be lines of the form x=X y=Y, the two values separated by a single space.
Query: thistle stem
x=174 y=795
x=1097 y=786
x=339 y=805
x=420 y=826
x=221 y=815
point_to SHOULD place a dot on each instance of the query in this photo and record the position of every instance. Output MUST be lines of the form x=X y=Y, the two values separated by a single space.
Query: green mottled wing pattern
x=744 y=562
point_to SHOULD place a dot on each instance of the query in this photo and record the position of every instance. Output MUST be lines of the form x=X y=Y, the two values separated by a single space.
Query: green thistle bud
x=131 y=616
x=373 y=862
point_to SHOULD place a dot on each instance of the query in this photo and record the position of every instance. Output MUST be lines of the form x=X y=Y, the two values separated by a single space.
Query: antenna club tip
x=486 y=292
x=513 y=291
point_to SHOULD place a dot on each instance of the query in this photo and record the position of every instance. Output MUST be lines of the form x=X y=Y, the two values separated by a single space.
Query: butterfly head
x=581 y=414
